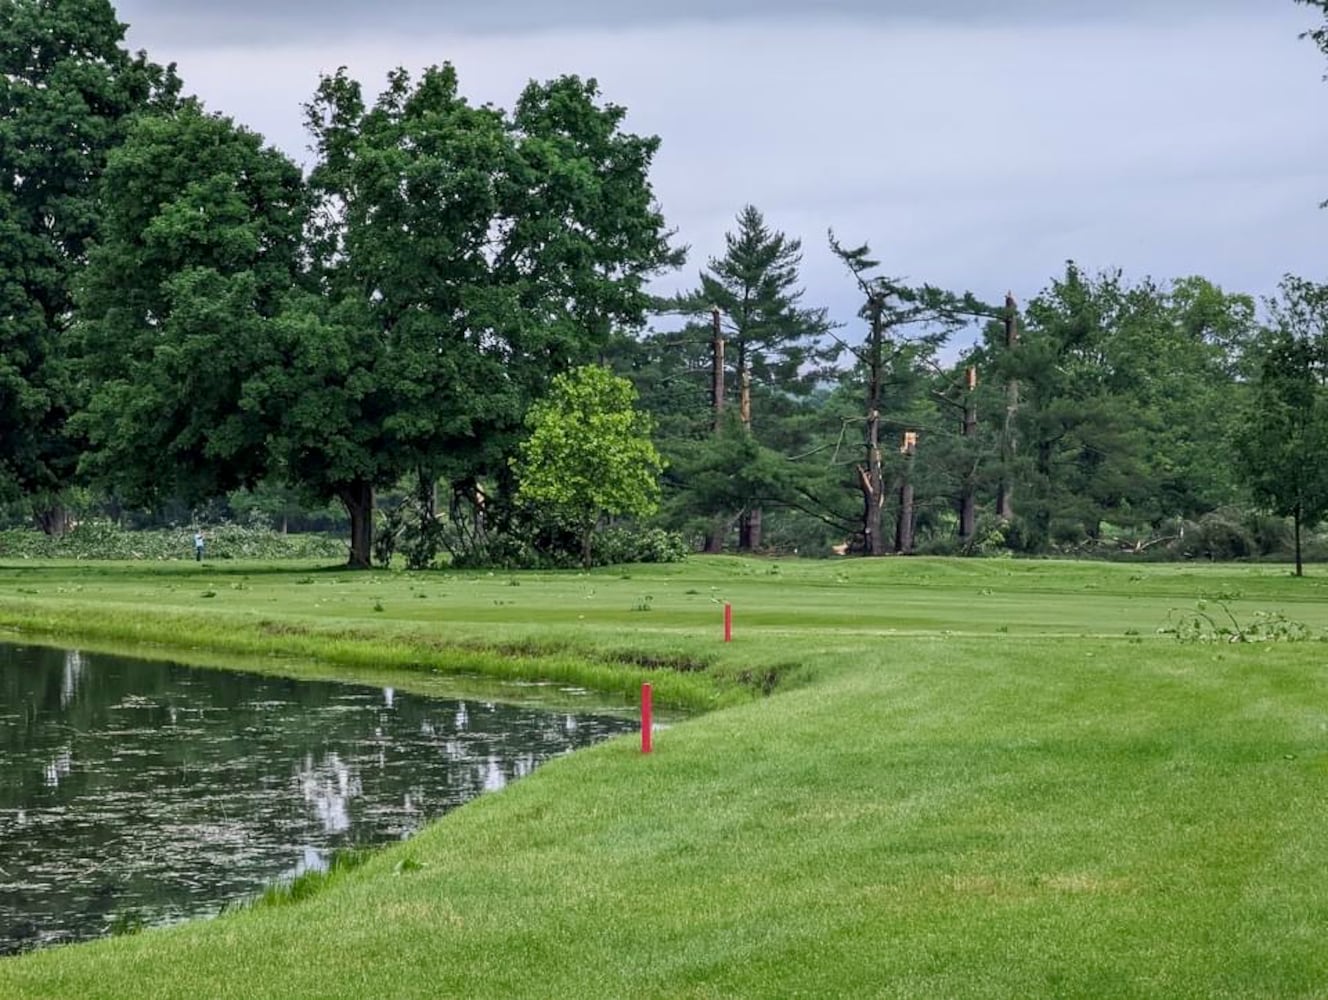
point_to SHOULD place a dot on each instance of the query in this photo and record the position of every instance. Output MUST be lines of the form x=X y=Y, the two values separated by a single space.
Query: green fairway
x=970 y=779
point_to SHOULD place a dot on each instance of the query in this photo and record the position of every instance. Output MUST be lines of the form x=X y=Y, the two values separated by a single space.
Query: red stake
x=647 y=711
x=728 y=622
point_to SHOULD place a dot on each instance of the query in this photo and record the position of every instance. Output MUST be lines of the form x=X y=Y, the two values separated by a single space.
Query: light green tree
x=589 y=454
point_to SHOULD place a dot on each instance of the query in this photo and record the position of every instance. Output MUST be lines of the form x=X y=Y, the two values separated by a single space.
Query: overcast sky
x=976 y=144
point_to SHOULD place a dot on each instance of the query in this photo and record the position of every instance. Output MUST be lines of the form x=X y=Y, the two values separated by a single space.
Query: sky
x=974 y=144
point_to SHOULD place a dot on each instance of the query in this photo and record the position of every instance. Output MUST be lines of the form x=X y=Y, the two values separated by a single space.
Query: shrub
x=613 y=546
x=102 y=539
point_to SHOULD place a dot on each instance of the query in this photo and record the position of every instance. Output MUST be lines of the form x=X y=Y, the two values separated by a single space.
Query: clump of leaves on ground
x=102 y=539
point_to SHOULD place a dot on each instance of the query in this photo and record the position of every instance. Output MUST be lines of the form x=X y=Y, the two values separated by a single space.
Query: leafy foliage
x=1284 y=433
x=100 y=539
x=200 y=245
x=1214 y=621
x=589 y=454
x=68 y=90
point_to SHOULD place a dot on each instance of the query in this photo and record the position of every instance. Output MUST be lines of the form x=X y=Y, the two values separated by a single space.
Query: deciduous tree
x=68 y=89
x=589 y=454
x=1283 y=436
x=200 y=245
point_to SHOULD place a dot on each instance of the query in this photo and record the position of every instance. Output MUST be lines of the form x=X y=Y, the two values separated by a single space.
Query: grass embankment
x=972 y=780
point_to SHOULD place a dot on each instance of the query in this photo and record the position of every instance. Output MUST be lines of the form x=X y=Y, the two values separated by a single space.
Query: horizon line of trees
x=186 y=315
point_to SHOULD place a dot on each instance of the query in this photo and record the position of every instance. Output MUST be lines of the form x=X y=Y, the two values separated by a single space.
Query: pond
x=135 y=792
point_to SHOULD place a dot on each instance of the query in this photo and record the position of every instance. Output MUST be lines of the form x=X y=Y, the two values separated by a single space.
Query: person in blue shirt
x=198 y=545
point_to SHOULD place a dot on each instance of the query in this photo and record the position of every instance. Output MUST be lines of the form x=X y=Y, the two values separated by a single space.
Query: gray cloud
x=256 y=22
x=976 y=153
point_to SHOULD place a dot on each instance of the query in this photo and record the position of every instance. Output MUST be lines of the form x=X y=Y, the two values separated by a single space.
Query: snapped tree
x=892 y=310
x=752 y=295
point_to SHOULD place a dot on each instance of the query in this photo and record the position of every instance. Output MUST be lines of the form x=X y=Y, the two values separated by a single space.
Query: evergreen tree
x=773 y=340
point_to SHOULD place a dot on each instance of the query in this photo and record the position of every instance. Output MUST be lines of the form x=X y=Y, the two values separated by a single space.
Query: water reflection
x=158 y=791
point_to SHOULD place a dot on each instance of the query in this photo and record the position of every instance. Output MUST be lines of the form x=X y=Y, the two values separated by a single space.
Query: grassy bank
x=971 y=779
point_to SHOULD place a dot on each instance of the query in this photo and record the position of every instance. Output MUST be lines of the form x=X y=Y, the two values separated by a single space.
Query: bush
x=550 y=548
x=101 y=539
x=633 y=545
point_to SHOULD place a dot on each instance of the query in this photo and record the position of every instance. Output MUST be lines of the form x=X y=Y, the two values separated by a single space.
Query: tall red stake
x=647 y=713
x=728 y=622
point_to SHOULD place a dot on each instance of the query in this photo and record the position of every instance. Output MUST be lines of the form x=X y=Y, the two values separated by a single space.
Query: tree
x=200 y=245
x=67 y=93
x=1126 y=393
x=772 y=339
x=462 y=258
x=589 y=454
x=1284 y=432
x=891 y=310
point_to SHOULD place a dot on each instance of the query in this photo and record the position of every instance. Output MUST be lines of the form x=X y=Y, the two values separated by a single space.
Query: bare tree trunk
x=587 y=536
x=905 y=519
x=428 y=495
x=53 y=519
x=968 y=506
x=358 y=499
x=714 y=543
x=871 y=477
x=753 y=526
x=717 y=371
x=1005 y=497
x=749 y=528
x=904 y=523
x=1300 y=567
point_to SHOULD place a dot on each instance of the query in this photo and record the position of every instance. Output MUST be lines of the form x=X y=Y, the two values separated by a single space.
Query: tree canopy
x=589 y=453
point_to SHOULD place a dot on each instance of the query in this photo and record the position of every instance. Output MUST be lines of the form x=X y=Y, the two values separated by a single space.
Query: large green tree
x=462 y=258
x=905 y=327
x=68 y=90
x=1283 y=436
x=1128 y=392
x=589 y=454
x=200 y=245
x=773 y=341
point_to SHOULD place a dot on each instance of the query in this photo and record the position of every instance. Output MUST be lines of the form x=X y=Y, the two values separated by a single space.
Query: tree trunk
x=714 y=543
x=751 y=525
x=871 y=478
x=904 y=521
x=53 y=520
x=872 y=482
x=717 y=371
x=968 y=506
x=1300 y=567
x=358 y=499
x=587 y=537
x=968 y=516
x=428 y=492
x=1005 y=495
x=749 y=529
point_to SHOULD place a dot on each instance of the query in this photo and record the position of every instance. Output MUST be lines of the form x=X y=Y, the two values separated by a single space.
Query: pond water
x=147 y=792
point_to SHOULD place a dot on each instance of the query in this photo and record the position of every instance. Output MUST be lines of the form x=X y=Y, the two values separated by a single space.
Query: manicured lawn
x=973 y=779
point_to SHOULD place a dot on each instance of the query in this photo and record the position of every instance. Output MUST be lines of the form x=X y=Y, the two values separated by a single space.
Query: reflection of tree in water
x=164 y=790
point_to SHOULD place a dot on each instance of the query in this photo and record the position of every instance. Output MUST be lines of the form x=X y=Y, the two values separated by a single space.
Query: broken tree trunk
x=1005 y=495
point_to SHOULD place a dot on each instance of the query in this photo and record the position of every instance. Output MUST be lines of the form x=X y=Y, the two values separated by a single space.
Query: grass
x=972 y=779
